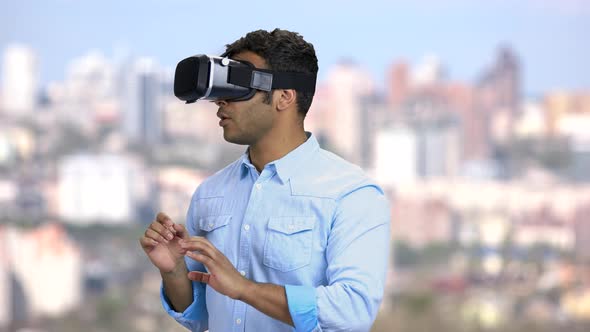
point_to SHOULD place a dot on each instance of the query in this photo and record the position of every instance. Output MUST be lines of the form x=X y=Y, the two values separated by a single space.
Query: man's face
x=246 y=122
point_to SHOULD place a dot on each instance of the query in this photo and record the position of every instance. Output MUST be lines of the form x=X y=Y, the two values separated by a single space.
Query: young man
x=289 y=236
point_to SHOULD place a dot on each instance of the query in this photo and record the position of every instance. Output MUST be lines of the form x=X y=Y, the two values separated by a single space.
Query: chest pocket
x=215 y=228
x=288 y=242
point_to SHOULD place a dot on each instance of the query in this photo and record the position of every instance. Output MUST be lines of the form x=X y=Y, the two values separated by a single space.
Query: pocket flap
x=290 y=225
x=210 y=223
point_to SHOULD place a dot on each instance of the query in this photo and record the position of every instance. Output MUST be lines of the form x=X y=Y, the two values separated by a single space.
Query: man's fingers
x=201 y=258
x=151 y=234
x=199 y=276
x=194 y=245
x=147 y=242
x=199 y=239
x=162 y=230
x=164 y=220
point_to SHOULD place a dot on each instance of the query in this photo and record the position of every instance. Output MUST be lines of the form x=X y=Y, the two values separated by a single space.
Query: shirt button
x=211 y=225
x=243 y=273
x=291 y=227
x=258 y=186
x=247 y=227
x=238 y=321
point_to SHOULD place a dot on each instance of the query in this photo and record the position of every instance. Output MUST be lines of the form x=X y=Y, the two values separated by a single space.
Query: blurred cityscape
x=490 y=190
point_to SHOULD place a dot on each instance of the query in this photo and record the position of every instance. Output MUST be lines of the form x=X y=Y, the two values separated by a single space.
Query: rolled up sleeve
x=194 y=317
x=302 y=304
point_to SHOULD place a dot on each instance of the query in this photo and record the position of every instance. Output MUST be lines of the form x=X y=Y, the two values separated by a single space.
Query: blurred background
x=474 y=116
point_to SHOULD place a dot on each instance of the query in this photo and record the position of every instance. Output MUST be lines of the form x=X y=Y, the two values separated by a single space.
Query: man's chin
x=233 y=139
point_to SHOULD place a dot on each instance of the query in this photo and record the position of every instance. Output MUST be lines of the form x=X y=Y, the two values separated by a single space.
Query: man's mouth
x=223 y=118
x=222 y=115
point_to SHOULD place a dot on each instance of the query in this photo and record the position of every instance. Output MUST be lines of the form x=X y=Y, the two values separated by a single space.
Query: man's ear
x=287 y=98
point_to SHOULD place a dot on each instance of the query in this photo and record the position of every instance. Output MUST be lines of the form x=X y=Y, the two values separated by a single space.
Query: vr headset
x=203 y=77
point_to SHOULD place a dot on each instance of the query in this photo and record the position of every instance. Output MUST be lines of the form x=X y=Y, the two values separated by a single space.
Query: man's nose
x=220 y=103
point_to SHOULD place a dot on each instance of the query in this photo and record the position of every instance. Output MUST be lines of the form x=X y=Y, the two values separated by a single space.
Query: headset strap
x=266 y=80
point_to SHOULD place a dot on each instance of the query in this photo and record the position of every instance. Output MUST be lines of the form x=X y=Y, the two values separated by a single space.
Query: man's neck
x=274 y=147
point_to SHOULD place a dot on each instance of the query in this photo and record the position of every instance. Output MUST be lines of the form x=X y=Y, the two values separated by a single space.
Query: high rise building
x=42 y=268
x=97 y=189
x=504 y=79
x=349 y=83
x=439 y=148
x=428 y=72
x=460 y=100
x=398 y=85
x=507 y=74
x=5 y=289
x=395 y=156
x=20 y=79
x=560 y=104
x=582 y=233
x=499 y=95
x=89 y=86
x=142 y=105
x=90 y=78
x=404 y=153
x=375 y=113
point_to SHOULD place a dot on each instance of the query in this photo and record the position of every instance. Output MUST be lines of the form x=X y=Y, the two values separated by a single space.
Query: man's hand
x=222 y=276
x=161 y=243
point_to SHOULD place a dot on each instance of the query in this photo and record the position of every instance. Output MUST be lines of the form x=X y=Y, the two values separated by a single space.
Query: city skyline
x=546 y=35
x=472 y=118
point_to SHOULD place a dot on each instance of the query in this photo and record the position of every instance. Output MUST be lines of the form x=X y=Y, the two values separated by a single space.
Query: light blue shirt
x=309 y=221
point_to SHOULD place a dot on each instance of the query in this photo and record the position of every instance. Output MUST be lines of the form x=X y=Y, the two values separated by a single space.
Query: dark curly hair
x=283 y=51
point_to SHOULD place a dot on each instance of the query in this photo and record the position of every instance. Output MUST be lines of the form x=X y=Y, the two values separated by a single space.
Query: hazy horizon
x=547 y=35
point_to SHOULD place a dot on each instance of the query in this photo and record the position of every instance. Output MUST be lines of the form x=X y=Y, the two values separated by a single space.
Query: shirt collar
x=288 y=165
x=245 y=165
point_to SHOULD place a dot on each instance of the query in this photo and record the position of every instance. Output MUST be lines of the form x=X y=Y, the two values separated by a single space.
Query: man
x=289 y=236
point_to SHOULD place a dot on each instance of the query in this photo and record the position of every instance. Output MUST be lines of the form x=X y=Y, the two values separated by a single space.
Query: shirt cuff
x=302 y=304
x=195 y=311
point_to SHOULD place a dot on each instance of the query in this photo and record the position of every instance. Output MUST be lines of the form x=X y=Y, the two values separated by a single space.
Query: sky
x=551 y=37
